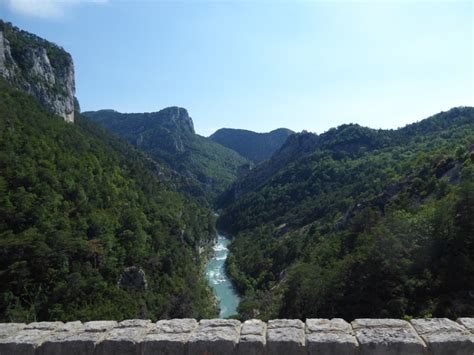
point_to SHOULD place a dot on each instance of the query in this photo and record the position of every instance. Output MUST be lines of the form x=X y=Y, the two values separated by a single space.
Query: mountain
x=79 y=208
x=90 y=227
x=256 y=147
x=358 y=222
x=38 y=67
x=169 y=136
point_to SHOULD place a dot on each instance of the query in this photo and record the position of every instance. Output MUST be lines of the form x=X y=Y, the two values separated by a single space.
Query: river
x=219 y=281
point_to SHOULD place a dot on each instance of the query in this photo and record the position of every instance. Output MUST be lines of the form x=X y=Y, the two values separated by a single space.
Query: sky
x=260 y=65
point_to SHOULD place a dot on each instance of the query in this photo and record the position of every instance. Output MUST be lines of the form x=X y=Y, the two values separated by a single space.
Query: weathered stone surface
x=168 y=337
x=215 y=336
x=23 y=342
x=135 y=323
x=387 y=336
x=330 y=337
x=444 y=336
x=58 y=343
x=70 y=326
x=44 y=325
x=252 y=337
x=122 y=341
x=184 y=325
x=285 y=323
x=285 y=336
x=100 y=325
x=7 y=329
x=468 y=323
x=378 y=323
x=71 y=343
x=219 y=323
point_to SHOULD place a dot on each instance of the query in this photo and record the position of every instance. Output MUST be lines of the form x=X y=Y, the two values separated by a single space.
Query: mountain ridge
x=168 y=135
x=254 y=146
x=305 y=234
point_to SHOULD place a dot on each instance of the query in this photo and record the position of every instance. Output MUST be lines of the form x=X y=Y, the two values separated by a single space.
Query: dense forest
x=78 y=206
x=358 y=223
x=205 y=167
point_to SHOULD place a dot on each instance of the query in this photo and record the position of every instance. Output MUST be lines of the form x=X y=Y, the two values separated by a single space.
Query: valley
x=110 y=215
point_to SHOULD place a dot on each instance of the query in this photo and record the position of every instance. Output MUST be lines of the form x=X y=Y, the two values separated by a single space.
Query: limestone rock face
x=38 y=67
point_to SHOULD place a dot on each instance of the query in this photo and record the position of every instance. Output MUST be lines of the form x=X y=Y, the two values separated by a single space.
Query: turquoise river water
x=219 y=281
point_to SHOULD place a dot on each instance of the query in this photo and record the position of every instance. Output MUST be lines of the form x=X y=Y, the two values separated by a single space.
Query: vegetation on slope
x=366 y=224
x=168 y=135
x=77 y=206
x=256 y=147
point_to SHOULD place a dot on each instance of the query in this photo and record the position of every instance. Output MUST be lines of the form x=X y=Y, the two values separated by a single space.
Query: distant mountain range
x=256 y=147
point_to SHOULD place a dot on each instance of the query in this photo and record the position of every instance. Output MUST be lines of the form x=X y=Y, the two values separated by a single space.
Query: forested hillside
x=168 y=136
x=78 y=206
x=359 y=223
x=254 y=146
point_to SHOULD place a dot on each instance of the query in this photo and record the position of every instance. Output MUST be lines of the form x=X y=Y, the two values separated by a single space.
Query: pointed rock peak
x=178 y=117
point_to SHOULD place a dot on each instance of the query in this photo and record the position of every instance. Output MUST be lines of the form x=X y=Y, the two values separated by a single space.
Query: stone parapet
x=434 y=336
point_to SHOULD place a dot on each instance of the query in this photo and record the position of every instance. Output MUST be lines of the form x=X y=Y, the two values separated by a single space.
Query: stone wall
x=437 y=336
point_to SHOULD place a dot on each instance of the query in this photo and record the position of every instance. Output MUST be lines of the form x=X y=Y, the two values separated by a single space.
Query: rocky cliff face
x=38 y=67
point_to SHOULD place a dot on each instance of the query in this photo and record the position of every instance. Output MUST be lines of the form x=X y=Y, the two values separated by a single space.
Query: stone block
x=7 y=329
x=168 y=337
x=215 y=336
x=184 y=325
x=252 y=338
x=444 y=336
x=387 y=336
x=69 y=339
x=468 y=323
x=44 y=325
x=70 y=326
x=135 y=323
x=330 y=337
x=71 y=343
x=100 y=325
x=23 y=342
x=121 y=341
x=285 y=336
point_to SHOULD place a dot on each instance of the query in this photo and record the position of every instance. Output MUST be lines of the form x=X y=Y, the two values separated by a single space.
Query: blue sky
x=260 y=65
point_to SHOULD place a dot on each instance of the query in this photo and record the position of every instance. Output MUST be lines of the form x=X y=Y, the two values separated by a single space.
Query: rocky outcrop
x=438 y=336
x=133 y=278
x=38 y=67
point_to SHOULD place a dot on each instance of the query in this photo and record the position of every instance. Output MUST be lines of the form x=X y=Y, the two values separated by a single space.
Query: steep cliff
x=38 y=67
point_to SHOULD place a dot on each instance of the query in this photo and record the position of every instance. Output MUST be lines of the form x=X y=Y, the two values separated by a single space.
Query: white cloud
x=46 y=8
